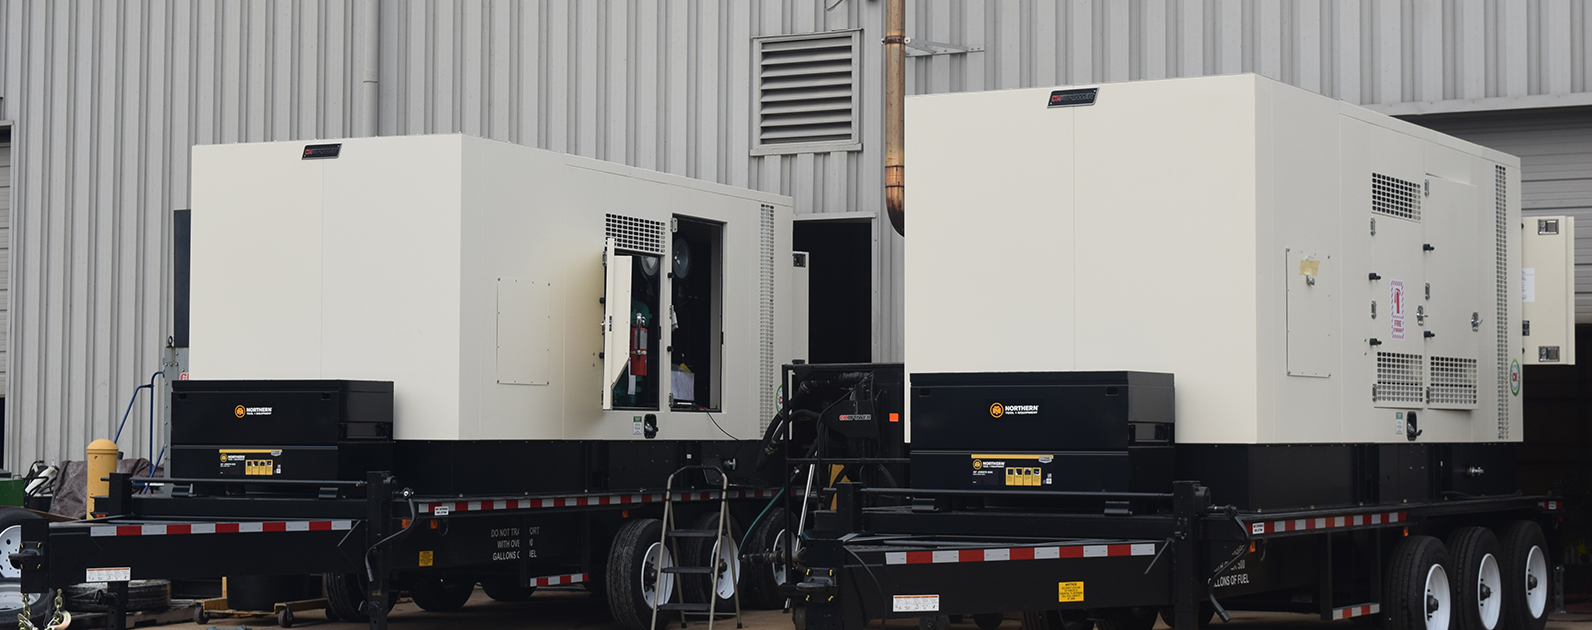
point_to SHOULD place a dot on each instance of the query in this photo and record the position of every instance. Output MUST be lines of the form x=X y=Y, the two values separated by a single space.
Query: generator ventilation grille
x=1395 y=197
x=1453 y=382
x=635 y=234
x=765 y=319
x=1398 y=378
x=1501 y=284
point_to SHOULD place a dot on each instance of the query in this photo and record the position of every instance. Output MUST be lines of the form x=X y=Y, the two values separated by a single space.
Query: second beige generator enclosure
x=1309 y=271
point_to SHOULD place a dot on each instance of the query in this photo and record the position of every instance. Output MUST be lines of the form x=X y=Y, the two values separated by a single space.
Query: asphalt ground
x=555 y=610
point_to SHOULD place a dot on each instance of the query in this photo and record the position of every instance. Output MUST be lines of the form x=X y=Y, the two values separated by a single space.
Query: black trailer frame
x=380 y=532
x=940 y=557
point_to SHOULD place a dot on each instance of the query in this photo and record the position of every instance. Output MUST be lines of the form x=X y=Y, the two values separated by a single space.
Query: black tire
x=1057 y=620
x=760 y=581
x=345 y=596
x=505 y=590
x=1417 y=584
x=1134 y=618
x=141 y=595
x=699 y=553
x=988 y=621
x=627 y=574
x=1478 y=579
x=440 y=593
x=1526 y=588
x=41 y=607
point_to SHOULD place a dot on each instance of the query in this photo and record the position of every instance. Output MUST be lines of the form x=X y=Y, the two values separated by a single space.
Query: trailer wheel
x=441 y=593
x=699 y=552
x=1419 y=595
x=1478 y=579
x=1134 y=618
x=988 y=621
x=1524 y=566
x=762 y=580
x=632 y=588
x=506 y=590
x=1057 y=620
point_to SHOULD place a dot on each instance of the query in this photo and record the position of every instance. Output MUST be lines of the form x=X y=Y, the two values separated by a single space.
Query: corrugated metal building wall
x=106 y=98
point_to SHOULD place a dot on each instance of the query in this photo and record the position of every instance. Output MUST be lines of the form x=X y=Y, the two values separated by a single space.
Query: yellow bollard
x=102 y=456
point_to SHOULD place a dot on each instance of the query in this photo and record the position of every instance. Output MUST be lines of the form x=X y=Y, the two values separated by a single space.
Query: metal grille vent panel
x=1395 y=197
x=1501 y=282
x=1399 y=378
x=807 y=90
x=765 y=317
x=1453 y=382
x=639 y=235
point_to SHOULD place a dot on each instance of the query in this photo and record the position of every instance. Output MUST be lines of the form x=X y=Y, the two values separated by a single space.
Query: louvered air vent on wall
x=806 y=93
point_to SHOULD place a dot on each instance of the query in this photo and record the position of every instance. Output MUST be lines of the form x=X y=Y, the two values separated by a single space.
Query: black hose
x=771 y=441
x=414 y=519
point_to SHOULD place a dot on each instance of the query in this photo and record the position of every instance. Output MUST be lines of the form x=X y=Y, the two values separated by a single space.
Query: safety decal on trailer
x=1551 y=506
x=174 y=529
x=1019 y=553
x=447 y=507
x=1328 y=522
x=915 y=603
x=111 y=574
x=1069 y=591
x=1355 y=611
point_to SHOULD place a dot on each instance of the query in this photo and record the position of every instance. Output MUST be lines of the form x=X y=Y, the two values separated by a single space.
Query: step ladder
x=717 y=569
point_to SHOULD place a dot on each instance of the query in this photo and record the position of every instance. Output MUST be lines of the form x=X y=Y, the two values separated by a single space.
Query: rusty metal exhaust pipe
x=895 y=88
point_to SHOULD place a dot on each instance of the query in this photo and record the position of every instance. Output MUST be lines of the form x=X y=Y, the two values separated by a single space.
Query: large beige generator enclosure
x=508 y=293
x=1309 y=271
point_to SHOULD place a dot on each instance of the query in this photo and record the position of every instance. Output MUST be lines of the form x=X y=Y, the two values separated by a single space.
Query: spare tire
x=42 y=606
x=141 y=595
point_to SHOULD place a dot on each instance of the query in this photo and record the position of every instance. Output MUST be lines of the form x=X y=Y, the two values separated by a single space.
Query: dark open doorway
x=840 y=276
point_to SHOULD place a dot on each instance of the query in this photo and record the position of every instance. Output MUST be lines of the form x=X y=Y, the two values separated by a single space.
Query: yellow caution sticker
x=1069 y=591
x=426 y=558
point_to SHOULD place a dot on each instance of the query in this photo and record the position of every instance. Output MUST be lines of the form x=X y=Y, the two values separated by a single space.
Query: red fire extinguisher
x=638 y=346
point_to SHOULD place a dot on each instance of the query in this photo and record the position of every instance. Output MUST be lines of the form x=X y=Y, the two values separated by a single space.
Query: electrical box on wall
x=1310 y=271
x=508 y=293
x=1547 y=290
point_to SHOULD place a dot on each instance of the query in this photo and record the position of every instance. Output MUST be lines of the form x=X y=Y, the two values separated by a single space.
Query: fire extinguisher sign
x=1396 y=306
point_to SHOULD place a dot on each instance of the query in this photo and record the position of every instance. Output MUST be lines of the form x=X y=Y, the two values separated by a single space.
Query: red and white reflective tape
x=175 y=529
x=1551 y=506
x=1019 y=553
x=555 y=580
x=444 y=508
x=1328 y=522
x=1355 y=611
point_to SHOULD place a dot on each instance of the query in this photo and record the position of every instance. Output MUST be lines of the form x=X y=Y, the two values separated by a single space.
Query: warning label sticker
x=915 y=603
x=1396 y=308
x=1069 y=591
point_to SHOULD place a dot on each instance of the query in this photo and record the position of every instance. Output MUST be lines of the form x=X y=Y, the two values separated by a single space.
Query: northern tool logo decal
x=999 y=409
x=241 y=411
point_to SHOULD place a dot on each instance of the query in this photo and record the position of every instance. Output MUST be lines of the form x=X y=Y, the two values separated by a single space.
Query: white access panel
x=1547 y=290
x=1309 y=271
x=472 y=274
